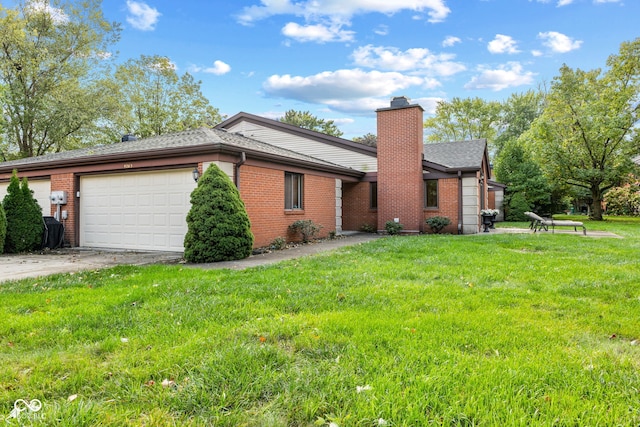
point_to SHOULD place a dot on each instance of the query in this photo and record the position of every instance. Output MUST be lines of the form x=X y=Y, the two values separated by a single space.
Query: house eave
x=174 y=152
x=295 y=130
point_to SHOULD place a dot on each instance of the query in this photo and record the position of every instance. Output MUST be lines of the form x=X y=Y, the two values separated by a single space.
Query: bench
x=539 y=223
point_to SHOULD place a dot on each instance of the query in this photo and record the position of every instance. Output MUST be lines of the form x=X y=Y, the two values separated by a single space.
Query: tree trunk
x=596 y=203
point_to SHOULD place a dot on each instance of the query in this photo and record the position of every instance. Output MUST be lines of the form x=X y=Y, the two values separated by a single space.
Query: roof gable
x=457 y=154
x=291 y=129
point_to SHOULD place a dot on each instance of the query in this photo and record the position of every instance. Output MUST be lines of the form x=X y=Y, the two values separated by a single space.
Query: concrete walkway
x=590 y=233
x=22 y=266
x=291 y=253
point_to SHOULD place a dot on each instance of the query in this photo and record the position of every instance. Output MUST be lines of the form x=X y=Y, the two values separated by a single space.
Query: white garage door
x=41 y=191
x=140 y=210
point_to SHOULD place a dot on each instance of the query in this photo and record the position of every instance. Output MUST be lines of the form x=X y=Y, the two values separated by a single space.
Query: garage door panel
x=144 y=210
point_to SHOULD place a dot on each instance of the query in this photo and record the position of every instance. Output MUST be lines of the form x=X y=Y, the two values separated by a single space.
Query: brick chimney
x=400 y=152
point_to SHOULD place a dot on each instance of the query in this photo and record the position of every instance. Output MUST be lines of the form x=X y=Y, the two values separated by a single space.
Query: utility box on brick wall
x=58 y=197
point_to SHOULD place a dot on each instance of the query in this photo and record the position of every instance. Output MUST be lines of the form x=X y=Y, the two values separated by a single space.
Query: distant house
x=135 y=194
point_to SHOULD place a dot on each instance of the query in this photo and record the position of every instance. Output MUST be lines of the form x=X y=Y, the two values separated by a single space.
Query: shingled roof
x=203 y=138
x=456 y=154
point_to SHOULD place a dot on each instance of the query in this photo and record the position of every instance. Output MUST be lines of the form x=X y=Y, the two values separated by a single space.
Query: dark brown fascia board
x=285 y=127
x=496 y=184
x=180 y=152
x=446 y=169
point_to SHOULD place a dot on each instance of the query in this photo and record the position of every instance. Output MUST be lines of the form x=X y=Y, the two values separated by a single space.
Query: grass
x=484 y=330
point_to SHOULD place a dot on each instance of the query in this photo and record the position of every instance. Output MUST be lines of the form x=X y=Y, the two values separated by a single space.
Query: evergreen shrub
x=3 y=228
x=393 y=227
x=307 y=228
x=25 y=227
x=218 y=224
x=437 y=223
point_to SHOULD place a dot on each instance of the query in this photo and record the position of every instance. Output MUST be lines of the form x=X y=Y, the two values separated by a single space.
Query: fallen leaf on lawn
x=168 y=383
x=360 y=389
x=72 y=397
x=124 y=339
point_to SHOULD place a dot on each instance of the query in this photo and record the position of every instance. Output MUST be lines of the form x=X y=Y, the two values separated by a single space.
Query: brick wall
x=67 y=182
x=355 y=206
x=400 y=183
x=447 y=205
x=262 y=191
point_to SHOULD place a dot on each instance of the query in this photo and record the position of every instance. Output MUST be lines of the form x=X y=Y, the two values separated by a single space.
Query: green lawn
x=484 y=330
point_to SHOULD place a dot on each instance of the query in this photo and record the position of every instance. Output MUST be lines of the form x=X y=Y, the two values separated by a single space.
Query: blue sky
x=342 y=59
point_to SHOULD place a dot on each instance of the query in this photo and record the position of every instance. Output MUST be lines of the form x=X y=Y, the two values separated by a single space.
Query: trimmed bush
x=218 y=224
x=367 y=228
x=24 y=217
x=3 y=228
x=437 y=223
x=393 y=227
x=279 y=243
x=307 y=228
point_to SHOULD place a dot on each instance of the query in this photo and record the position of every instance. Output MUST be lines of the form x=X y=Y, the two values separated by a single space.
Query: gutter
x=460 y=210
x=236 y=172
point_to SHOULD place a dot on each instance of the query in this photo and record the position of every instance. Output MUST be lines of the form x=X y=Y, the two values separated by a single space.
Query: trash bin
x=53 y=237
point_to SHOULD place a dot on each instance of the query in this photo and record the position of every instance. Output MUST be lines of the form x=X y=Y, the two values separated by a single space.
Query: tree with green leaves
x=154 y=100
x=47 y=56
x=519 y=111
x=462 y=119
x=24 y=217
x=218 y=224
x=306 y=120
x=588 y=131
x=527 y=187
x=368 y=139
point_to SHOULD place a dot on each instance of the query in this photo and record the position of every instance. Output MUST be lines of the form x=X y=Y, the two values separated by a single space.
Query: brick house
x=135 y=194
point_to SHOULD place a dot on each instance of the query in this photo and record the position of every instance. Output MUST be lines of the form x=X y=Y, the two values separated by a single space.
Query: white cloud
x=58 y=16
x=382 y=30
x=417 y=59
x=564 y=2
x=536 y=53
x=606 y=1
x=341 y=85
x=505 y=76
x=558 y=42
x=317 y=33
x=503 y=44
x=341 y=10
x=219 y=68
x=368 y=105
x=429 y=104
x=450 y=41
x=142 y=16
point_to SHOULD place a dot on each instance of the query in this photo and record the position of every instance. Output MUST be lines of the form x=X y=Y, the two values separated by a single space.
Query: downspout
x=460 y=210
x=236 y=174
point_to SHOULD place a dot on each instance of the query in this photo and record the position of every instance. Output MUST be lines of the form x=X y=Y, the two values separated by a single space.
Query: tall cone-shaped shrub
x=3 y=228
x=218 y=224
x=24 y=217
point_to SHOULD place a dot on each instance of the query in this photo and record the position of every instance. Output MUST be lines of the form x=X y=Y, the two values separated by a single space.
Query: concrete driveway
x=22 y=266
